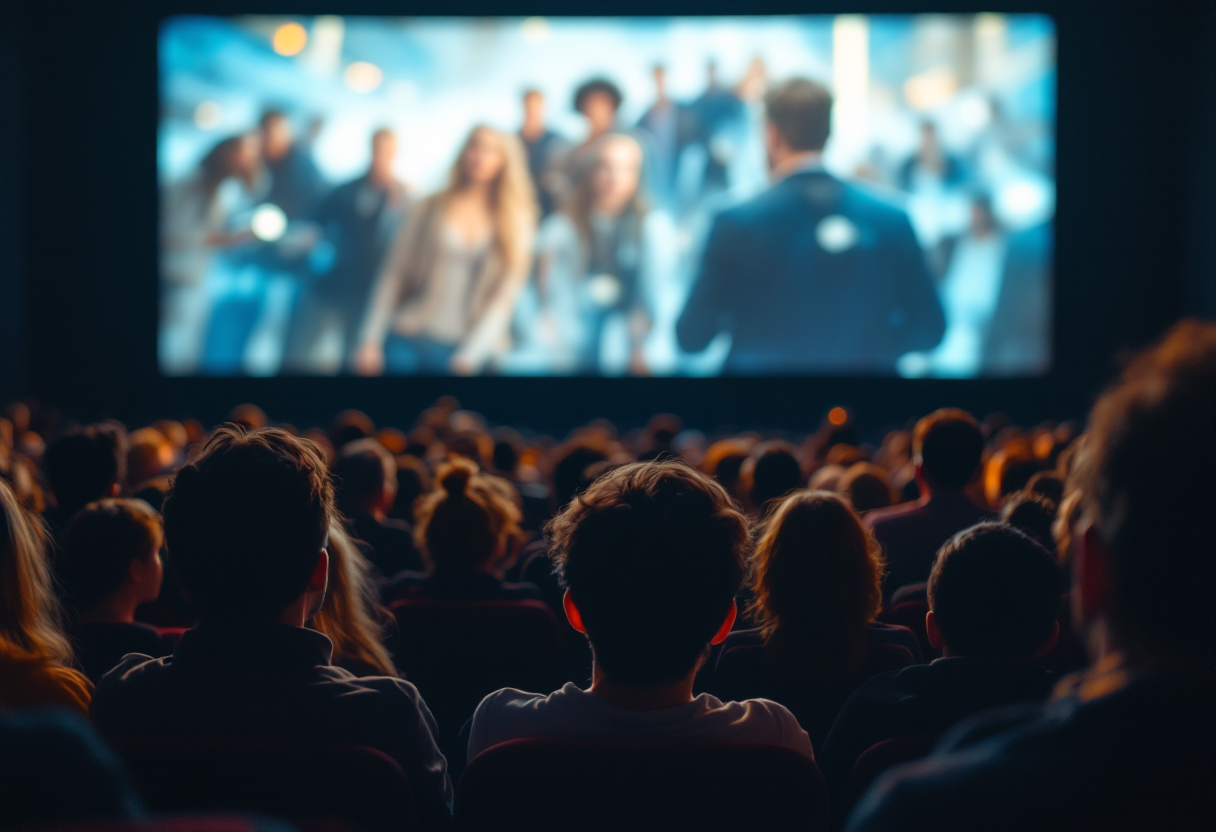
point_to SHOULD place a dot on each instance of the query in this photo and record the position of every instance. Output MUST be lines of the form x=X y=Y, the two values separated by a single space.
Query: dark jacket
x=101 y=646
x=273 y=683
x=813 y=275
x=1109 y=752
x=478 y=587
x=388 y=544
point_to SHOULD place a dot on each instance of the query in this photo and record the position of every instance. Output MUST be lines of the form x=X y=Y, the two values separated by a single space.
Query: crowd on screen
x=607 y=254
x=1030 y=608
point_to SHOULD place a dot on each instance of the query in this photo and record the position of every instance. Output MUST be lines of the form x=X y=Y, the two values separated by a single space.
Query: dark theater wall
x=1134 y=228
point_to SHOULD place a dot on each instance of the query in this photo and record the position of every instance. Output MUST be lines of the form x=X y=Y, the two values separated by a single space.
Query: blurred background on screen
x=316 y=215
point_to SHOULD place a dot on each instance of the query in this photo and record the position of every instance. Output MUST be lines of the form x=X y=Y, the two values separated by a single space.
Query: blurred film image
x=788 y=196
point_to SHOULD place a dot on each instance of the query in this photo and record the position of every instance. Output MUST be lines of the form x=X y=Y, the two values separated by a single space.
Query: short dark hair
x=867 y=486
x=245 y=522
x=950 y=446
x=653 y=553
x=83 y=465
x=351 y=426
x=1047 y=484
x=1033 y=515
x=1145 y=477
x=364 y=468
x=994 y=591
x=99 y=545
x=801 y=110
x=597 y=86
x=772 y=471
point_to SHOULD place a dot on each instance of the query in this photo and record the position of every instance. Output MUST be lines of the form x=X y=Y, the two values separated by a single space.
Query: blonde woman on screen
x=444 y=300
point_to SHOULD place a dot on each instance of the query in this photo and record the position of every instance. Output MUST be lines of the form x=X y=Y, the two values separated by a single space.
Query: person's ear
x=146 y=574
x=572 y=614
x=319 y=580
x=1049 y=643
x=935 y=634
x=727 y=623
x=1090 y=575
x=115 y=489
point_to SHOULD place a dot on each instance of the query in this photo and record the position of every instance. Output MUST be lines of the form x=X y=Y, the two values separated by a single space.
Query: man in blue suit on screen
x=814 y=274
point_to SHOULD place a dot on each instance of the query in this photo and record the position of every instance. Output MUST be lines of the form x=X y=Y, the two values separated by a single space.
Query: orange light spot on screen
x=837 y=416
x=290 y=39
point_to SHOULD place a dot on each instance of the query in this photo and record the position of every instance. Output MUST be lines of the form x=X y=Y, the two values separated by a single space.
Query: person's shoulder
x=510 y=713
x=134 y=669
x=761 y=721
x=882 y=518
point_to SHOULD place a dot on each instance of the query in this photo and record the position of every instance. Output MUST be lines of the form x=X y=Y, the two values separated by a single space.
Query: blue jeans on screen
x=416 y=356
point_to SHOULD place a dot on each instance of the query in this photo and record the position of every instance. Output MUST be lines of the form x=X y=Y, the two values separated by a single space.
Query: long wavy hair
x=31 y=619
x=351 y=614
x=512 y=196
x=818 y=586
x=577 y=204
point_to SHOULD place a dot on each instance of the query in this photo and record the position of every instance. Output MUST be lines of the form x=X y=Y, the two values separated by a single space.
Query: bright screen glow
x=810 y=195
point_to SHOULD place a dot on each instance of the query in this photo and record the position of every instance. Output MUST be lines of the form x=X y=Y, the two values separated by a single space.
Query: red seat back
x=884 y=755
x=456 y=652
x=550 y=784
x=315 y=787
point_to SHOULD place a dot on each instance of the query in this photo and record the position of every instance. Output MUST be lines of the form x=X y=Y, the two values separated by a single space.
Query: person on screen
x=814 y=274
x=671 y=127
x=597 y=101
x=296 y=185
x=194 y=225
x=931 y=166
x=542 y=146
x=718 y=112
x=598 y=257
x=445 y=298
x=359 y=218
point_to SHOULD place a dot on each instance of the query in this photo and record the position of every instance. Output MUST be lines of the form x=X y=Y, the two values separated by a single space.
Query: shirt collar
x=278 y=644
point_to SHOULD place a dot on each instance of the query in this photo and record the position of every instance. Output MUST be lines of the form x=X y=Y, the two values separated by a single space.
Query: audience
x=467 y=530
x=992 y=601
x=817 y=593
x=651 y=555
x=365 y=485
x=947 y=447
x=1126 y=744
x=770 y=472
x=246 y=523
x=866 y=486
x=1033 y=514
x=110 y=564
x=81 y=466
x=35 y=656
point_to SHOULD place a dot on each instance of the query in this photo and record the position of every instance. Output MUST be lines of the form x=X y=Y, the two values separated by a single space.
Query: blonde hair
x=512 y=197
x=466 y=523
x=351 y=614
x=31 y=625
x=818 y=586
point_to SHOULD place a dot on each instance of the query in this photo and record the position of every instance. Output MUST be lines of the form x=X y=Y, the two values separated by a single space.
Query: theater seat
x=550 y=784
x=911 y=614
x=317 y=788
x=884 y=755
x=456 y=652
x=171 y=636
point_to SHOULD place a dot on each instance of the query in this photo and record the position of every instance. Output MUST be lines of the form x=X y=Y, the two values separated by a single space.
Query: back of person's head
x=248 y=416
x=86 y=464
x=568 y=471
x=150 y=454
x=867 y=486
x=652 y=554
x=467 y=523
x=102 y=542
x=245 y=522
x=1152 y=427
x=413 y=480
x=507 y=452
x=949 y=446
x=351 y=614
x=1047 y=484
x=817 y=584
x=770 y=472
x=1033 y=515
x=351 y=426
x=801 y=112
x=30 y=622
x=994 y=591
x=365 y=477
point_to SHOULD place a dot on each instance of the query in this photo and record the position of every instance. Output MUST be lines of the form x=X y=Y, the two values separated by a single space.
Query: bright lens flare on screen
x=535 y=30
x=269 y=222
x=290 y=39
x=837 y=416
x=362 y=77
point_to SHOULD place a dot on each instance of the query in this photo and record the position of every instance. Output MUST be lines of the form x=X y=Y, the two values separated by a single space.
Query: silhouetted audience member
x=467 y=529
x=867 y=487
x=365 y=483
x=246 y=524
x=83 y=465
x=1047 y=484
x=35 y=656
x=54 y=770
x=947 y=446
x=1033 y=515
x=770 y=472
x=1126 y=744
x=351 y=426
x=413 y=480
x=652 y=555
x=992 y=599
x=110 y=564
x=817 y=593
x=351 y=614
